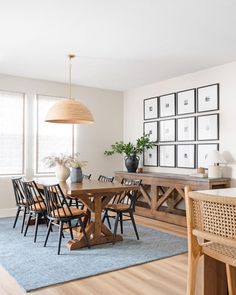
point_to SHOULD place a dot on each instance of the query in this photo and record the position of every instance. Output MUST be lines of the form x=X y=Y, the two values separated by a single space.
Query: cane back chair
x=211 y=224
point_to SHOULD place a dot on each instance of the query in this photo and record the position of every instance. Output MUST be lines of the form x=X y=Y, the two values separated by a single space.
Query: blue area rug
x=34 y=266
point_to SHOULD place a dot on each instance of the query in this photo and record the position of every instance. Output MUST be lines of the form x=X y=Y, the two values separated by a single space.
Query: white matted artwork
x=186 y=129
x=150 y=108
x=150 y=157
x=186 y=156
x=167 y=130
x=208 y=98
x=203 y=150
x=151 y=129
x=208 y=127
x=167 y=155
x=167 y=105
x=186 y=102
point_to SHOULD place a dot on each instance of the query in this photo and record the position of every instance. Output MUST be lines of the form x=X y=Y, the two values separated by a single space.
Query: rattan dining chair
x=20 y=199
x=59 y=213
x=211 y=225
x=35 y=204
x=123 y=205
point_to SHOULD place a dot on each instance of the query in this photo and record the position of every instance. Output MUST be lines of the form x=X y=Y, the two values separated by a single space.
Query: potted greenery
x=132 y=151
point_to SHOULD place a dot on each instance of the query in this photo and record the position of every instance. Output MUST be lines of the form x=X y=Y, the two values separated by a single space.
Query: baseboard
x=8 y=212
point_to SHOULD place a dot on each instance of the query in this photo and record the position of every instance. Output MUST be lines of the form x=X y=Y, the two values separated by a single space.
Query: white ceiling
x=121 y=44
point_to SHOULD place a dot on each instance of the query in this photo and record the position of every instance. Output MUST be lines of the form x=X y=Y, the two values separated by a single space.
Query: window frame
x=23 y=133
x=37 y=173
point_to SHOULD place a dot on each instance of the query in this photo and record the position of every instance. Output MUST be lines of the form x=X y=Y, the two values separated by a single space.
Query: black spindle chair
x=36 y=205
x=105 y=178
x=20 y=200
x=60 y=213
x=123 y=205
x=76 y=202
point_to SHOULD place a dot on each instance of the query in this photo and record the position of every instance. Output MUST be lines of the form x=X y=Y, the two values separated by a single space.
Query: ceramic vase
x=62 y=173
x=76 y=175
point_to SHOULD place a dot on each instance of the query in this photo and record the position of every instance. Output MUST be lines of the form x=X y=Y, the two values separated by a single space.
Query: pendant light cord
x=70 y=68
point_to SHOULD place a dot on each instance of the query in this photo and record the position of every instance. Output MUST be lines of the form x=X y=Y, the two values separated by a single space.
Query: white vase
x=62 y=172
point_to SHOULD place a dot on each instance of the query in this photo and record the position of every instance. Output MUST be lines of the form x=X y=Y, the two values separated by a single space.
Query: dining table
x=212 y=278
x=95 y=195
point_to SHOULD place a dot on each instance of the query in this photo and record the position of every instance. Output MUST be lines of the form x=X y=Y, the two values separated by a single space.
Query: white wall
x=225 y=75
x=107 y=108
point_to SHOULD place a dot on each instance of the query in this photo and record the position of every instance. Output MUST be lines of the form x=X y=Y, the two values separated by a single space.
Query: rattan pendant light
x=69 y=110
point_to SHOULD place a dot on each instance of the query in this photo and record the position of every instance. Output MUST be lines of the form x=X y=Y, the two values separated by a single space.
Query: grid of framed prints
x=184 y=140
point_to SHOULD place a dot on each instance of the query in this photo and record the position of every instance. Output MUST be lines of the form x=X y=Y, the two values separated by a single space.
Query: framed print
x=208 y=98
x=186 y=102
x=167 y=105
x=167 y=130
x=150 y=157
x=208 y=127
x=151 y=129
x=186 y=156
x=203 y=150
x=186 y=129
x=150 y=108
x=167 y=155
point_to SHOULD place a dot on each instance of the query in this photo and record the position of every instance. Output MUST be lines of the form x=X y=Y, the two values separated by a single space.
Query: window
x=11 y=133
x=51 y=138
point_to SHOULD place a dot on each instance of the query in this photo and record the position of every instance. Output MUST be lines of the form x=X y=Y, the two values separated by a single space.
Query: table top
x=223 y=192
x=85 y=187
x=173 y=176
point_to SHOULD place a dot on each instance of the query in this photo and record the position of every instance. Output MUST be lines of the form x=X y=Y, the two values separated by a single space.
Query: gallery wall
x=224 y=75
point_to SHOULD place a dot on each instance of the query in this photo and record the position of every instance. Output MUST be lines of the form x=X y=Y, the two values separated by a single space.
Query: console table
x=161 y=193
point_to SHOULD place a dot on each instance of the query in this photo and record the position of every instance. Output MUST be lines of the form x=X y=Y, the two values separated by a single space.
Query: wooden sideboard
x=162 y=194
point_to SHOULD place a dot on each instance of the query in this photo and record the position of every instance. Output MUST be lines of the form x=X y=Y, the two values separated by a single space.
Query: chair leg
x=121 y=223
x=77 y=203
x=59 y=237
x=105 y=216
x=28 y=222
x=116 y=225
x=23 y=221
x=192 y=271
x=36 y=226
x=231 y=280
x=84 y=232
x=71 y=231
x=17 y=215
x=48 y=233
x=134 y=225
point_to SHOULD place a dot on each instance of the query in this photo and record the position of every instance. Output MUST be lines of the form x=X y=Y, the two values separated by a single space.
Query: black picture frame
x=153 y=101
x=154 y=123
x=174 y=155
x=205 y=146
x=153 y=151
x=216 y=97
x=199 y=128
x=173 y=131
x=172 y=96
x=194 y=156
x=192 y=98
x=193 y=138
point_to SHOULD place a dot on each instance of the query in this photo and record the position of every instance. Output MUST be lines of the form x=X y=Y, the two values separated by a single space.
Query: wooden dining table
x=95 y=195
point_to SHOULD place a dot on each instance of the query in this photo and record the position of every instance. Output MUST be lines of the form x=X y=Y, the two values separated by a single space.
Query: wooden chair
x=35 y=204
x=123 y=205
x=20 y=200
x=211 y=220
x=105 y=178
x=59 y=213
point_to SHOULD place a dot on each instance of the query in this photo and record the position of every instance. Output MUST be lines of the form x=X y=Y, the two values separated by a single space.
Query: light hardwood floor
x=162 y=277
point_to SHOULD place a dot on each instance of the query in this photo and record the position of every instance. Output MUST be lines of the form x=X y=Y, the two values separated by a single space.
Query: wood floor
x=162 y=277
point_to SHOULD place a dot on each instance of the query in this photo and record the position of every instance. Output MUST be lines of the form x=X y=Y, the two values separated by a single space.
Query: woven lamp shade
x=69 y=111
